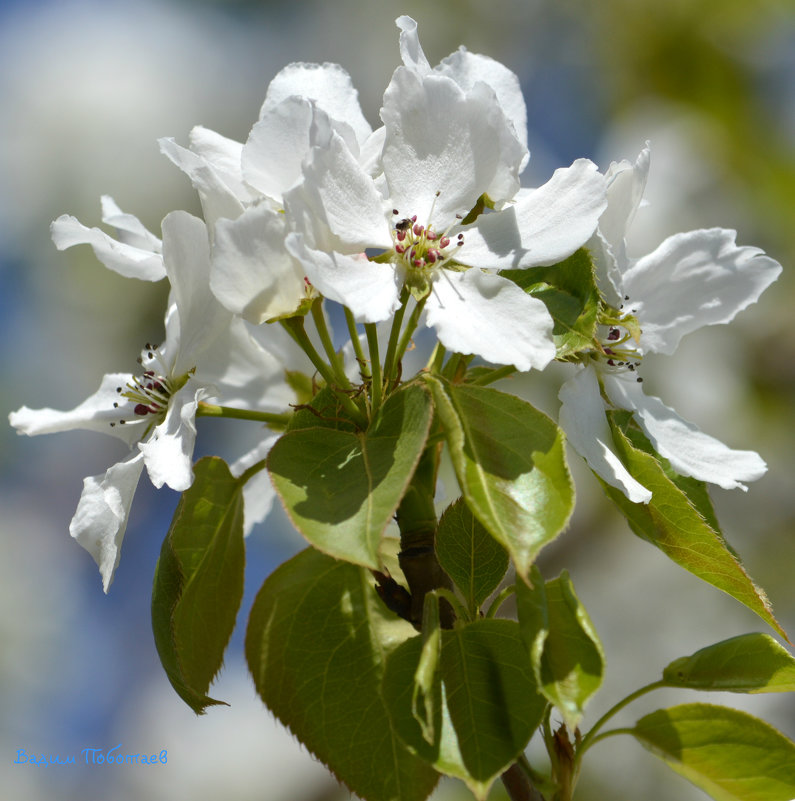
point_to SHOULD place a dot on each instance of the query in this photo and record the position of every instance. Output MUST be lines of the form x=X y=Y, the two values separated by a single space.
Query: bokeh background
x=87 y=86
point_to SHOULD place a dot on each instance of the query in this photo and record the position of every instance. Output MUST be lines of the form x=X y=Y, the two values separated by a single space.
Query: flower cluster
x=424 y=213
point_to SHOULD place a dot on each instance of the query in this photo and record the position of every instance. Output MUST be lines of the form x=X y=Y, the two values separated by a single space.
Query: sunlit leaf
x=729 y=754
x=676 y=524
x=750 y=663
x=565 y=650
x=487 y=705
x=510 y=464
x=317 y=640
x=198 y=582
x=341 y=488
x=569 y=291
x=473 y=559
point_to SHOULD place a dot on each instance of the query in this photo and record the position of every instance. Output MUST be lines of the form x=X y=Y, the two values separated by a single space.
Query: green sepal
x=341 y=487
x=198 y=584
x=679 y=520
x=317 y=640
x=565 y=650
x=486 y=702
x=473 y=559
x=510 y=463
x=729 y=754
x=750 y=663
x=570 y=293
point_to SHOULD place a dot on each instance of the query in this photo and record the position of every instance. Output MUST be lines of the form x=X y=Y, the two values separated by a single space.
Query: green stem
x=375 y=366
x=364 y=368
x=503 y=596
x=495 y=375
x=295 y=328
x=591 y=737
x=275 y=420
x=434 y=364
x=252 y=471
x=611 y=733
x=325 y=337
x=394 y=334
x=411 y=327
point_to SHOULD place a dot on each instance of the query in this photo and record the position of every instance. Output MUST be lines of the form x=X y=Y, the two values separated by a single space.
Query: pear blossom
x=241 y=186
x=207 y=354
x=448 y=141
x=690 y=280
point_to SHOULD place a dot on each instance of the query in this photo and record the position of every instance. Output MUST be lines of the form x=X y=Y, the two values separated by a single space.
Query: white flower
x=207 y=353
x=242 y=186
x=448 y=140
x=692 y=279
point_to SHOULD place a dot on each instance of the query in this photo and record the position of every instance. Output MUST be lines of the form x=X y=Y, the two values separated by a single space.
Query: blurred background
x=86 y=88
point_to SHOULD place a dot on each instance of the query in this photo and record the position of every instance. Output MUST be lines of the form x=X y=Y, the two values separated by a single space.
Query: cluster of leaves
x=388 y=658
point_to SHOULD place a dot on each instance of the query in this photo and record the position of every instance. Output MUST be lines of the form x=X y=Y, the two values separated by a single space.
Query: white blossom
x=690 y=280
x=448 y=141
x=207 y=354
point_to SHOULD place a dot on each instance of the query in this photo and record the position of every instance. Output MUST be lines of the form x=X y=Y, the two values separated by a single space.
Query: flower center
x=421 y=249
x=149 y=392
x=618 y=350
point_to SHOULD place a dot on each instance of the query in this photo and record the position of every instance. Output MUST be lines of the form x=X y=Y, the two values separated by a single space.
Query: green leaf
x=569 y=291
x=486 y=702
x=198 y=582
x=472 y=558
x=317 y=640
x=510 y=463
x=680 y=525
x=341 y=488
x=565 y=650
x=729 y=754
x=750 y=663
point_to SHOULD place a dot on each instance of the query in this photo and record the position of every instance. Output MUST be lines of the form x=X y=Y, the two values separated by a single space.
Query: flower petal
x=544 y=226
x=445 y=147
x=625 y=184
x=129 y=229
x=369 y=289
x=243 y=372
x=252 y=274
x=338 y=194
x=96 y=413
x=411 y=51
x=278 y=144
x=225 y=156
x=217 y=198
x=186 y=254
x=582 y=417
x=329 y=86
x=127 y=260
x=490 y=316
x=690 y=451
x=695 y=279
x=168 y=452
x=258 y=492
x=100 y=521
x=466 y=69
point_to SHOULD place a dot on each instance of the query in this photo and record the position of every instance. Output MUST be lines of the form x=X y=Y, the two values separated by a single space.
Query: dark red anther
x=444 y=241
x=141 y=409
x=401 y=235
x=611 y=362
x=614 y=334
x=418 y=229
